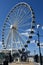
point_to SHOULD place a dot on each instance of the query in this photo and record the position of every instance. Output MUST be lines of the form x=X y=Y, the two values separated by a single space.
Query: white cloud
x=33 y=41
x=30 y=30
x=27 y=34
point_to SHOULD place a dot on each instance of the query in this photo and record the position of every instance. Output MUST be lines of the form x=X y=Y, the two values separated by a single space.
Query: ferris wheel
x=16 y=27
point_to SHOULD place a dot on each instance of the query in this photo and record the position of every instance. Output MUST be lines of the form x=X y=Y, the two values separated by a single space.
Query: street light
x=39 y=44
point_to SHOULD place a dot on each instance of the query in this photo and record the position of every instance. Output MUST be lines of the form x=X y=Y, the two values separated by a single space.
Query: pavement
x=24 y=63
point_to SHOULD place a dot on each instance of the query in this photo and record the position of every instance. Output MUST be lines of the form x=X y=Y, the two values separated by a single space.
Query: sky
x=37 y=5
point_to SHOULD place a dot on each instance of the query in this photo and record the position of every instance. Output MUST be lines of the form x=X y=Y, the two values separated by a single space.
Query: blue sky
x=6 y=5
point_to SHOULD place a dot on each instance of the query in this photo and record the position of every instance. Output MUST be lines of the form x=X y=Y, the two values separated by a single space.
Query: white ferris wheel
x=15 y=32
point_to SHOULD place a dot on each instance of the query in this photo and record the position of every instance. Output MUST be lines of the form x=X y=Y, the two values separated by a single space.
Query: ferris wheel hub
x=13 y=27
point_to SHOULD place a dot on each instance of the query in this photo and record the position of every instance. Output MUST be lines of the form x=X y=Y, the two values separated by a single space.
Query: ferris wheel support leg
x=12 y=43
x=11 y=52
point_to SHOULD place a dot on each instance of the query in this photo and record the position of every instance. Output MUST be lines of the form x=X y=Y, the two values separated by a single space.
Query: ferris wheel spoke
x=8 y=37
x=14 y=13
x=11 y=20
x=24 y=39
x=9 y=23
x=20 y=37
x=13 y=17
x=24 y=25
x=20 y=18
x=16 y=39
x=19 y=11
x=21 y=44
x=8 y=41
x=7 y=28
x=21 y=30
x=23 y=18
x=25 y=21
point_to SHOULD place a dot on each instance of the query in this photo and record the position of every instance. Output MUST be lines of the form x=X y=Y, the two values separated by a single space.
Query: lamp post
x=39 y=45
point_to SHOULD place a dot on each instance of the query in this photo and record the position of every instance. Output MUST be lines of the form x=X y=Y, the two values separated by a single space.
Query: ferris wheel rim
x=22 y=3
